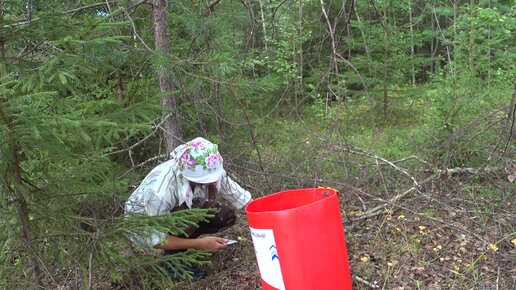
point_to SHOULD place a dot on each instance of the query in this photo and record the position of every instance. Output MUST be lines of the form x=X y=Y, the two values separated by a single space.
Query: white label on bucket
x=267 y=257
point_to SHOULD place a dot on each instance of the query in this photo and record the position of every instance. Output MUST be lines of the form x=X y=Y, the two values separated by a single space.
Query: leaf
x=492 y=247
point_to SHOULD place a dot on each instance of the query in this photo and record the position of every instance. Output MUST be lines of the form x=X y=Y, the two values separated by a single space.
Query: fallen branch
x=437 y=173
x=375 y=211
x=372 y=155
x=467 y=170
x=365 y=282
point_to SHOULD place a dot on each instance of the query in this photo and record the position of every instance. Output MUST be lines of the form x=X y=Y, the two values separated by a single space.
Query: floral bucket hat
x=201 y=161
x=198 y=161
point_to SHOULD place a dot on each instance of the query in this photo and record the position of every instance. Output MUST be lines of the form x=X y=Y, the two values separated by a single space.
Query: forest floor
x=452 y=234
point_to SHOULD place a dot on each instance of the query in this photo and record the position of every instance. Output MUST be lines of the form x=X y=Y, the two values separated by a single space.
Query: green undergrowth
x=426 y=122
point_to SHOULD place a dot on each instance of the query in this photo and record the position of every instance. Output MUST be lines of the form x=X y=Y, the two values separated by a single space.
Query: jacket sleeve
x=234 y=193
x=154 y=197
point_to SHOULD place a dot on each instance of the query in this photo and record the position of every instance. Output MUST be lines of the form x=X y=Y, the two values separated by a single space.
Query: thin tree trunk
x=471 y=40
x=264 y=28
x=366 y=47
x=454 y=66
x=300 y=29
x=333 y=66
x=172 y=125
x=385 y=64
x=433 y=45
x=22 y=209
x=385 y=91
x=412 y=54
x=489 y=36
x=119 y=87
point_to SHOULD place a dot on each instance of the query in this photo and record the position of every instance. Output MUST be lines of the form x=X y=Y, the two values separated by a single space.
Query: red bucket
x=299 y=240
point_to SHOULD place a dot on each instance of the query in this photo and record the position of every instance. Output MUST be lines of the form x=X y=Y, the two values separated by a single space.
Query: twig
x=412 y=157
x=369 y=214
x=372 y=155
x=448 y=224
x=90 y=270
x=498 y=279
x=143 y=140
x=374 y=211
x=365 y=282
x=135 y=32
x=143 y=163
x=381 y=176
x=251 y=133
x=366 y=90
x=364 y=207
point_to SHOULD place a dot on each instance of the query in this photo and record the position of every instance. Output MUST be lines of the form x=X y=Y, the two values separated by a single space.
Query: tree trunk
x=386 y=63
x=172 y=125
x=471 y=34
x=433 y=43
x=412 y=52
x=16 y=195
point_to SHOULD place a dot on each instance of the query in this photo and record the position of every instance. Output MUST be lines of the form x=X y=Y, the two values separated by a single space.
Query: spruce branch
x=156 y=128
x=72 y=12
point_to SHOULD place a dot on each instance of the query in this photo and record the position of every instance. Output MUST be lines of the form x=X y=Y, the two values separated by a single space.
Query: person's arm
x=234 y=193
x=209 y=243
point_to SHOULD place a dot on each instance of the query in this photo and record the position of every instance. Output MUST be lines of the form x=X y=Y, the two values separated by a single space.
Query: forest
x=406 y=107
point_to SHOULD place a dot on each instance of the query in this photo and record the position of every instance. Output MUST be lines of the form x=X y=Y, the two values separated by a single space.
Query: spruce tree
x=71 y=99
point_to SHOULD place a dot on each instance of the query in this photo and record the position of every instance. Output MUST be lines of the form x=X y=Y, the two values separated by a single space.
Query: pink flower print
x=186 y=158
x=212 y=161
x=196 y=143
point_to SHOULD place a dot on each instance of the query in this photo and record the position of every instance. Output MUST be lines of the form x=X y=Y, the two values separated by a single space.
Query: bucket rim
x=330 y=192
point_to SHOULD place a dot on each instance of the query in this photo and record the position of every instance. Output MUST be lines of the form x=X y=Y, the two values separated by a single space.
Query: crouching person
x=192 y=178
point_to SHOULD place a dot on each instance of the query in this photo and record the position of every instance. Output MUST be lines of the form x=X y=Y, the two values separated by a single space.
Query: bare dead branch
x=142 y=140
x=162 y=156
x=135 y=32
x=372 y=155
x=365 y=282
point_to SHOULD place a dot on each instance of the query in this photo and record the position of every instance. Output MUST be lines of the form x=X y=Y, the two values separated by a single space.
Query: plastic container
x=299 y=240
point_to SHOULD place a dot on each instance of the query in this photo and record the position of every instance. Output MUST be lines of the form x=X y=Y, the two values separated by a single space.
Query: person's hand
x=212 y=244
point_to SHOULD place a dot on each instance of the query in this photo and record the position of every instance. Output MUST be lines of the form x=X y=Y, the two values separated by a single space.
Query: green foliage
x=66 y=102
x=258 y=77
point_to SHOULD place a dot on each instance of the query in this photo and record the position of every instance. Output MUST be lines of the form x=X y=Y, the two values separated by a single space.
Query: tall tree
x=172 y=125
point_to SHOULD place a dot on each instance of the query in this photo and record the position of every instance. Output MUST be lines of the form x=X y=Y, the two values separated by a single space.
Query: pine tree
x=67 y=105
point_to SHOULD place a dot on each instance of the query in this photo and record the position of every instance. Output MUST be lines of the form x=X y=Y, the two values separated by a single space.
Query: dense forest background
x=407 y=107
